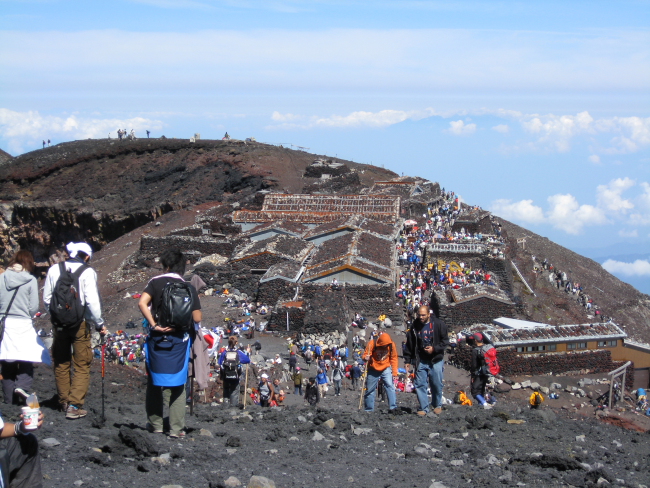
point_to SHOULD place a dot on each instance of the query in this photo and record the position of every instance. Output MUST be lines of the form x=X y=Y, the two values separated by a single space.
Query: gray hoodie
x=26 y=302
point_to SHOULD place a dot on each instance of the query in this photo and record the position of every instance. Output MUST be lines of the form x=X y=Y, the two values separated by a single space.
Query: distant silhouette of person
x=226 y=137
x=48 y=143
x=43 y=143
x=148 y=134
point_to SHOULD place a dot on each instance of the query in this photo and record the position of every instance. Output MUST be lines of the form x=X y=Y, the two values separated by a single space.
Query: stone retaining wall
x=194 y=247
x=272 y=291
x=516 y=364
x=478 y=311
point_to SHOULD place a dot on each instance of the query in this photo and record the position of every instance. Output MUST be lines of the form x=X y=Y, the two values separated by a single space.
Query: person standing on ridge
x=426 y=342
x=71 y=343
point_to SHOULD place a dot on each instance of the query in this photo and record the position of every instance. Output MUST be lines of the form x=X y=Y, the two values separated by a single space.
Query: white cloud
x=278 y=117
x=594 y=158
x=28 y=129
x=609 y=196
x=628 y=233
x=639 y=267
x=501 y=128
x=459 y=128
x=383 y=118
x=642 y=205
x=567 y=214
x=522 y=211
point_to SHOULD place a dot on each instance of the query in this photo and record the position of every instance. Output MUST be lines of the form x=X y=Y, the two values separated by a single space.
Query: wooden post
x=246 y=388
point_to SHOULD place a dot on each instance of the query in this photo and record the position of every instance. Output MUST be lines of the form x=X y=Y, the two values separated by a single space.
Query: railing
x=459 y=248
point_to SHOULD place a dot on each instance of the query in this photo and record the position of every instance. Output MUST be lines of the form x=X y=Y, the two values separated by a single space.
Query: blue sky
x=539 y=111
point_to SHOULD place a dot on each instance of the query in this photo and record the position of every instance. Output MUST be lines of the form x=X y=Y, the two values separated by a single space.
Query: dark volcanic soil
x=294 y=447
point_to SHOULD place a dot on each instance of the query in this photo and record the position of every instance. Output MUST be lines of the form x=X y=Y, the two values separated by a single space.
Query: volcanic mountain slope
x=98 y=190
x=105 y=191
x=625 y=304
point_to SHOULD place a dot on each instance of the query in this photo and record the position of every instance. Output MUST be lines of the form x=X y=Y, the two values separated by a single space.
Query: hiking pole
x=246 y=388
x=363 y=386
x=192 y=394
x=103 y=343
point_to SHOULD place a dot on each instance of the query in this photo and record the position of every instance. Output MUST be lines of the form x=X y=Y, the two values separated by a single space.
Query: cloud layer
x=639 y=267
x=25 y=130
x=565 y=213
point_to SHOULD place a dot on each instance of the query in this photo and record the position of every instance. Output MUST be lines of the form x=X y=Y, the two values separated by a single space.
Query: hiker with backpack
x=337 y=376
x=426 y=342
x=172 y=307
x=230 y=362
x=483 y=365
x=381 y=354
x=71 y=295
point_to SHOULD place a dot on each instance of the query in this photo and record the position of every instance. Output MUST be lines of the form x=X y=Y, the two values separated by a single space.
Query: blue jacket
x=321 y=379
x=168 y=357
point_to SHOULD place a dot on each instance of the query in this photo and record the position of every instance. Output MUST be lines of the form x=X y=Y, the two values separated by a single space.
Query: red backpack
x=490 y=362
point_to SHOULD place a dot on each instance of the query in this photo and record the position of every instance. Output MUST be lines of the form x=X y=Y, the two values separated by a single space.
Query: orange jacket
x=383 y=353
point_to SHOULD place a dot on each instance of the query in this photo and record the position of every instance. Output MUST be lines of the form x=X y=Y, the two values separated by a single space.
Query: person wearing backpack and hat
x=72 y=342
x=230 y=362
x=168 y=347
x=479 y=375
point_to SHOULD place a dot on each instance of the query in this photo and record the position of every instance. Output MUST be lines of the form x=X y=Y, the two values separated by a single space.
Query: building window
x=520 y=349
x=551 y=347
x=571 y=345
x=607 y=343
x=582 y=345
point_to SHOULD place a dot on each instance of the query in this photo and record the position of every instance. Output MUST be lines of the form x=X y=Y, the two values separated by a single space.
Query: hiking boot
x=179 y=435
x=487 y=406
x=422 y=413
x=73 y=412
x=437 y=410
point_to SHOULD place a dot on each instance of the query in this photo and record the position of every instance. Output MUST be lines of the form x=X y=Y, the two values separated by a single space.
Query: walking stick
x=192 y=394
x=103 y=374
x=363 y=386
x=246 y=388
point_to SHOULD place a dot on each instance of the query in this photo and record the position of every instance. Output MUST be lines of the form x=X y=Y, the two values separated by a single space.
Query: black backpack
x=176 y=306
x=230 y=366
x=65 y=305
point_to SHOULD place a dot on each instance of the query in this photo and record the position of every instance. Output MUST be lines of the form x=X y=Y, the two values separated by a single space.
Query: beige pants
x=72 y=347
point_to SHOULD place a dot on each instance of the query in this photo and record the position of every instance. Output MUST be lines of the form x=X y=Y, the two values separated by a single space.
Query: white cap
x=74 y=247
x=265 y=376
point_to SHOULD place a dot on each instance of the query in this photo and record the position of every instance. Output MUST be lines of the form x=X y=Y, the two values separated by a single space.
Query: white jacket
x=87 y=289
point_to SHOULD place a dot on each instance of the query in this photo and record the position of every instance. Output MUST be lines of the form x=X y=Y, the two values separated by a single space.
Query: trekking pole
x=363 y=386
x=192 y=394
x=103 y=343
x=246 y=388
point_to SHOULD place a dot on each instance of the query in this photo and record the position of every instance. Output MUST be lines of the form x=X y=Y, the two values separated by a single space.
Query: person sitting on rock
x=479 y=377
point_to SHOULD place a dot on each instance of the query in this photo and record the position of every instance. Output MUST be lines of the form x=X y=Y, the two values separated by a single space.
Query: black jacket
x=434 y=333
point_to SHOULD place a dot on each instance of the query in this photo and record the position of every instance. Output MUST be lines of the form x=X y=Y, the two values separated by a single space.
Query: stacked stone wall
x=479 y=311
x=516 y=364
x=239 y=277
x=260 y=261
x=271 y=291
x=194 y=247
x=278 y=320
